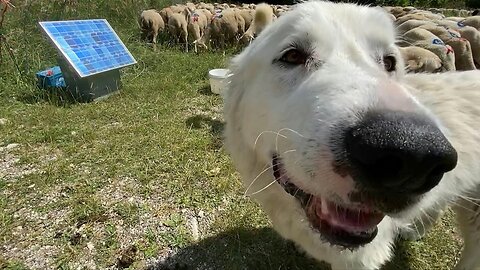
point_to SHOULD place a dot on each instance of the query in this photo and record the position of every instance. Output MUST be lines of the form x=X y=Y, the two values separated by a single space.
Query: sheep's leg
x=154 y=37
x=154 y=40
x=143 y=36
x=185 y=38
x=222 y=41
x=195 y=46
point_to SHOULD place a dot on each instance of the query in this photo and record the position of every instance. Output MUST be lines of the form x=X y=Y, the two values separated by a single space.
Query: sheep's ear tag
x=461 y=24
x=453 y=35
x=195 y=17
x=437 y=41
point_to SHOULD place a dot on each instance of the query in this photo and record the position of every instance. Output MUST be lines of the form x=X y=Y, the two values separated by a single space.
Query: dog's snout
x=398 y=152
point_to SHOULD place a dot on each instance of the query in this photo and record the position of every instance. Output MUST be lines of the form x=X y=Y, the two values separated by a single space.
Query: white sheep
x=461 y=46
x=410 y=24
x=425 y=39
x=455 y=19
x=177 y=26
x=247 y=15
x=151 y=24
x=469 y=33
x=473 y=21
x=224 y=27
x=207 y=14
x=197 y=25
x=263 y=17
x=420 y=60
x=166 y=13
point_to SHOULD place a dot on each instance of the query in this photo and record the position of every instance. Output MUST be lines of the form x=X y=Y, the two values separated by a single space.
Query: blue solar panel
x=90 y=46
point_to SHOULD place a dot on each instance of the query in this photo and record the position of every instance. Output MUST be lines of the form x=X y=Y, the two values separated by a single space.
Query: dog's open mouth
x=349 y=227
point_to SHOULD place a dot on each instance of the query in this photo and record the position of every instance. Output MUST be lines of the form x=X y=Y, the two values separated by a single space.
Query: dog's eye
x=389 y=62
x=294 y=57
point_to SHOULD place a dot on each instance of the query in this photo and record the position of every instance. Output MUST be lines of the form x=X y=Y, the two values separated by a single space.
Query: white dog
x=339 y=147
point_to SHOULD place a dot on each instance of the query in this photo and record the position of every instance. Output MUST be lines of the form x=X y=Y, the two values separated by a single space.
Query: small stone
x=12 y=146
x=90 y=246
x=73 y=133
x=193 y=224
x=3 y=121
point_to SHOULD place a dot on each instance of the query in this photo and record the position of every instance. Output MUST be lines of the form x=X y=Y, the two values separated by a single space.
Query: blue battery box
x=51 y=77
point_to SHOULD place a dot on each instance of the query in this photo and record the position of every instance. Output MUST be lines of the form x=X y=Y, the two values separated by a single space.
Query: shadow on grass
x=55 y=96
x=240 y=249
x=206 y=91
x=215 y=126
x=254 y=249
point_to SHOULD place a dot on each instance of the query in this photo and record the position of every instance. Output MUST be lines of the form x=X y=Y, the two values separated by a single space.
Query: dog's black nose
x=398 y=152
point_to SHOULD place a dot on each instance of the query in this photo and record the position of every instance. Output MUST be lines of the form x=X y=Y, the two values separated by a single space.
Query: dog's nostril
x=433 y=178
x=381 y=167
x=398 y=152
x=388 y=166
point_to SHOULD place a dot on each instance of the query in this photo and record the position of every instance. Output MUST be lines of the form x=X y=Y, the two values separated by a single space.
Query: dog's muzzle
x=397 y=153
x=394 y=157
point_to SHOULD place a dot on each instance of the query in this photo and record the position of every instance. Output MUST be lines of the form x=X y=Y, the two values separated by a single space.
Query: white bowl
x=217 y=79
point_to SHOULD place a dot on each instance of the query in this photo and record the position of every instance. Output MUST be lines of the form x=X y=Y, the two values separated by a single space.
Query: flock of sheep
x=429 y=41
x=204 y=25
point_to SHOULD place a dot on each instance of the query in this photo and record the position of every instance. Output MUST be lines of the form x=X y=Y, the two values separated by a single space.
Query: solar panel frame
x=73 y=58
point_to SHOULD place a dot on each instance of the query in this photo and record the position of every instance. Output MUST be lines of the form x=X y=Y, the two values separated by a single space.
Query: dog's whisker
x=265 y=168
x=472 y=200
x=264 y=132
x=267 y=186
x=457 y=204
x=329 y=124
x=255 y=179
x=293 y=131
x=427 y=215
x=290 y=151
x=279 y=133
x=416 y=228
x=264 y=188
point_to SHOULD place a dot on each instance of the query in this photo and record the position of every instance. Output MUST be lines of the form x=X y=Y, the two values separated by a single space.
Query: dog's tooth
x=324 y=206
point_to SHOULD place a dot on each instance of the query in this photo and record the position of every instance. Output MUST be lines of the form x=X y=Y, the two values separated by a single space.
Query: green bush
x=473 y=3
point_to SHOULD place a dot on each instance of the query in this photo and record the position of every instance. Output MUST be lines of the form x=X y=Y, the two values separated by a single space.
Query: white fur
x=290 y=112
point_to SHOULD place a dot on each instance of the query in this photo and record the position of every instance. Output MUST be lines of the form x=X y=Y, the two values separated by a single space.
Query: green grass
x=118 y=182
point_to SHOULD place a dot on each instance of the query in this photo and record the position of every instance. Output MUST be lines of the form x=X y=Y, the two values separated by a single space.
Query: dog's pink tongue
x=352 y=220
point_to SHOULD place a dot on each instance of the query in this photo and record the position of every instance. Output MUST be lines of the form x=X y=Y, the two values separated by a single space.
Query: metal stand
x=91 y=88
